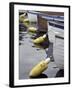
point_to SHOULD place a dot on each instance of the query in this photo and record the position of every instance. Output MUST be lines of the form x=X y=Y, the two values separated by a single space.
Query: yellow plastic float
x=26 y=22
x=39 y=39
x=32 y=29
x=39 y=68
x=22 y=17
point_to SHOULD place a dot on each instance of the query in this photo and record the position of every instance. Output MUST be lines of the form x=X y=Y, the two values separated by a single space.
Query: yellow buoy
x=32 y=29
x=39 y=39
x=22 y=17
x=26 y=20
x=39 y=68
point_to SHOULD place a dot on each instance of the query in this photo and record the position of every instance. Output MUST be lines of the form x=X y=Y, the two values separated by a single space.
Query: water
x=31 y=54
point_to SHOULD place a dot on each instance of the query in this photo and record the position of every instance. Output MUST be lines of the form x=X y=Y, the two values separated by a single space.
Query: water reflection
x=44 y=45
x=22 y=27
x=40 y=76
x=49 y=52
x=20 y=38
